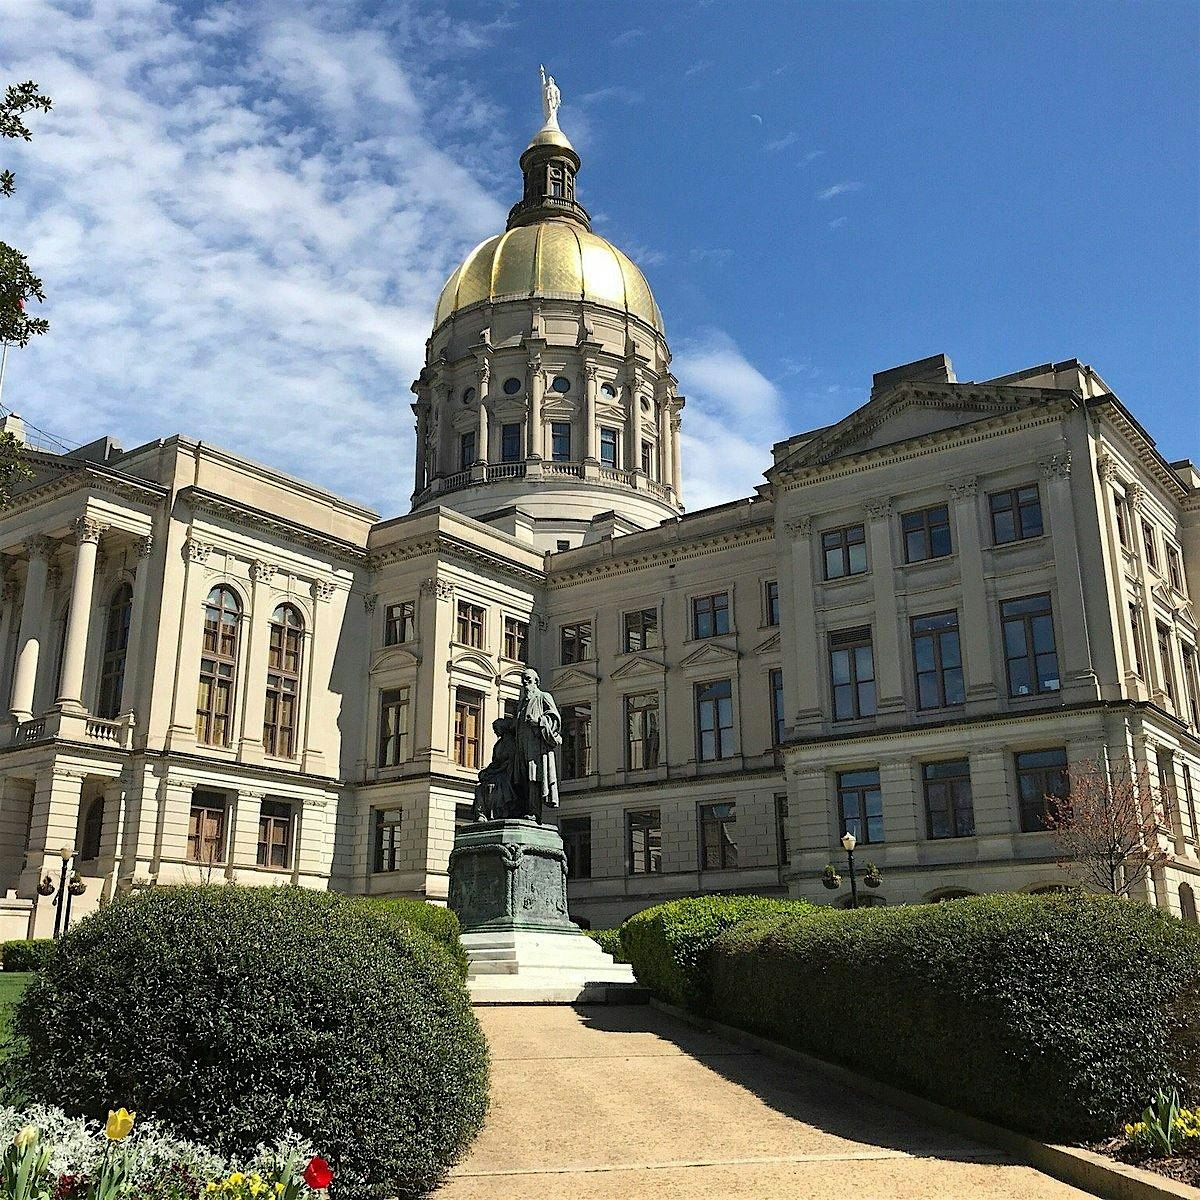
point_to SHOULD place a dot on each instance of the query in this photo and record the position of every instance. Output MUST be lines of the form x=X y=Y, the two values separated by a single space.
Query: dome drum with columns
x=546 y=405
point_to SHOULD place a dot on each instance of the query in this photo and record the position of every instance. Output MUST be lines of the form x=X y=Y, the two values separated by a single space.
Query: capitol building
x=928 y=611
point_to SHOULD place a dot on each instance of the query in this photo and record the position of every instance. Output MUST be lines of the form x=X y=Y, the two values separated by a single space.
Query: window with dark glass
x=641 y=731
x=576 y=741
x=714 y=720
x=641 y=630
x=778 y=722
x=274 y=835
x=1120 y=508
x=1189 y=796
x=116 y=648
x=718 y=845
x=575 y=642
x=93 y=828
x=206 y=828
x=852 y=674
x=949 y=811
x=468 y=727
x=1030 y=657
x=647 y=459
x=560 y=441
x=516 y=639
x=469 y=628
x=643 y=841
x=771 y=601
x=399 y=623
x=1016 y=514
x=284 y=656
x=466 y=450
x=560 y=384
x=1166 y=660
x=1187 y=904
x=393 y=727
x=845 y=551
x=926 y=533
x=860 y=804
x=710 y=615
x=1174 y=569
x=388 y=822
x=937 y=660
x=218 y=667
x=577 y=842
x=1191 y=686
x=510 y=442
x=781 y=830
x=608 y=447
x=1135 y=629
x=1042 y=787
x=1151 y=544
x=512 y=385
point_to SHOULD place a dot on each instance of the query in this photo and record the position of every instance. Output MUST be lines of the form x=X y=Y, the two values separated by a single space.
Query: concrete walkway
x=629 y=1104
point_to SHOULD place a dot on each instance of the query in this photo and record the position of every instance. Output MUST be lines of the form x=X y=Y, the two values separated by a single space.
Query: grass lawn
x=12 y=984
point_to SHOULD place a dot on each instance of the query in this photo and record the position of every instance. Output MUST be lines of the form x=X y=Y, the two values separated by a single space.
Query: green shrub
x=667 y=944
x=610 y=942
x=440 y=923
x=232 y=1014
x=29 y=954
x=1057 y=1015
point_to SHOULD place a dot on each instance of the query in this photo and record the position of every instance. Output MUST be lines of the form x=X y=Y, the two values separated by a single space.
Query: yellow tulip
x=118 y=1125
x=26 y=1137
x=236 y=1178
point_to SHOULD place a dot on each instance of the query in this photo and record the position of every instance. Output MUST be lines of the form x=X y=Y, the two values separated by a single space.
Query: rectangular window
x=1166 y=659
x=214 y=701
x=937 y=660
x=710 y=615
x=516 y=639
x=608 y=447
x=560 y=441
x=398 y=621
x=393 y=727
x=275 y=835
x=1190 y=798
x=468 y=726
x=1191 y=685
x=949 y=811
x=387 y=839
x=860 y=804
x=647 y=459
x=206 y=828
x=718 y=846
x=1016 y=514
x=926 y=533
x=469 y=628
x=1030 y=656
x=781 y=830
x=641 y=731
x=771 y=602
x=845 y=551
x=1041 y=787
x=577 y=842
x=643 y=841
x=466 y=451
x=778 y=723
x=641 y=630
x=1174 y=569
x=1120 y=508
x=510 y=443
x=576 y=741
x=1148 y=540
x=852 y=674
x=1165 y=761
x=714 y=720
x=1135 y=629
x=575 y=642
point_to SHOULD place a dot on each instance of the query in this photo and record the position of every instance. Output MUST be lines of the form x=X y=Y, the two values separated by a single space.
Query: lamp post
x=67 y=854
x=848 y=844
x=75 y=888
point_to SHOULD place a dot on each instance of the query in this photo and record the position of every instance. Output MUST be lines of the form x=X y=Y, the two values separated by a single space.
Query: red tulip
x=317 y=1174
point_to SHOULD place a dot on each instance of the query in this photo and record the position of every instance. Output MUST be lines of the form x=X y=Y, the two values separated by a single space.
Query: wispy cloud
x=756 y=117
x=629 y=35
x=837 y=222
x=713 y=254
x=699 y=66
x=811 y=156
x=788 y=139
x=618 y=93
x=839 y=189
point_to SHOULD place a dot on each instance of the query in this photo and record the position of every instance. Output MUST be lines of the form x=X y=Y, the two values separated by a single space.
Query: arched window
x=116 y=646
x=218 y=667
x=1187 y=903
x=283 y=681
x=93 y=826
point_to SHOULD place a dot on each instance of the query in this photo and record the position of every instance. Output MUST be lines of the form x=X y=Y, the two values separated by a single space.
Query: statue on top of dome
x=551 y=99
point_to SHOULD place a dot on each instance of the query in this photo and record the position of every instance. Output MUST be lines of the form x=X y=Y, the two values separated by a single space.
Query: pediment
x=639 y=668
x=612 y=412
x=708 y=654
x=470 y=662
x=392 y=659
x=573 y=677
x=770 y=646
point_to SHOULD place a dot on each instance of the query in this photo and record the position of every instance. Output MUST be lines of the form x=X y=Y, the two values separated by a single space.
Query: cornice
x=1147 y=455
x=449 y=546
x=94 y=478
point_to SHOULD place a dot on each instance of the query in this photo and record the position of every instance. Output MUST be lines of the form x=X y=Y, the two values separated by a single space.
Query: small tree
x=1107 y=827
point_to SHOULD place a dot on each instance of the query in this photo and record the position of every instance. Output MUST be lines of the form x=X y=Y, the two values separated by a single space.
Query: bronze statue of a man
x=539 y=734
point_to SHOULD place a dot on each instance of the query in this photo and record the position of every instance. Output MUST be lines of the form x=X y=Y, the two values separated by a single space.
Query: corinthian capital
x=87 y=529
x=1057 y=465
x=39 y=547
x=196 y=550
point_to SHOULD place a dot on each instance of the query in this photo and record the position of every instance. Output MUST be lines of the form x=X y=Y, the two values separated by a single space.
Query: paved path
x=626 y=1103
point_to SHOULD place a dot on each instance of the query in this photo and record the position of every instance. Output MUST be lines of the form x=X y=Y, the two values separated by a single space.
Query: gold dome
x=558 y=259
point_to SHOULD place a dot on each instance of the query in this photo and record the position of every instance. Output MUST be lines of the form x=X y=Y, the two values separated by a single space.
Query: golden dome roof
x=556 y=258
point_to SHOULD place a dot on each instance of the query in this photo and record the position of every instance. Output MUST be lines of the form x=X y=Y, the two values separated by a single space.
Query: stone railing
x=30 y=731
x=101 y=729
x=483 y=474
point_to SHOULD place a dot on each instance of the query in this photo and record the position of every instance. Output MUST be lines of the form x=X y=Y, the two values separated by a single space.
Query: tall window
x=1191 y=686
x=116 y=647
x=1190 y=798
x=393 y=727
x=388 y=822
x=466 y=450
x=1136 y=643
x=575 y=642
x=937 y=660
x=469 y=627
x=206 y=828
x=778 y=722
x=1030 y=656
x=1151 y=544
x=1166 y=659
x=510 y=442
x=275 y=835
x=845 y=551
x=577 y=842
x=718 y=846
x=641 y=630
x=643 y=841
x=516 y=639
x=577 y=741
x=860 y=804
x=710 y=615
x=1016 y=514
x=852 y=674
x=714 y=720
x=641 y=731
x=398 y=623
x=648 y=459
x=560 y=441
x=1120 y=507
x=926 y=533
x=1041 y=787
x=218 y=667
x=608 y=447
x=468 y=723
x=1174 y=569
x=1187 y=904
x=93 y=828
x=284 y=655
x=771 y=601
x=949 y=811
x=781 y=830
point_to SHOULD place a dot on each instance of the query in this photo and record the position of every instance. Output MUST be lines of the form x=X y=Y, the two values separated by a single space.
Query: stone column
x=87 y=543
x=113 y=837
x=254 y=627
x=665 y=471
x=591 y=372
x=421 y=474
x=242 y=853
x=975 y=640
x=633 y=450
x=431 y=724
x=1150 y=664
x=53 y=824
x=803 y=661
x=189 y=646
x=1119 y=589
x=482 y=449
x=536 y=385
x=889 y=679
x=675 y=473
x=137 y=619
x=39 y=550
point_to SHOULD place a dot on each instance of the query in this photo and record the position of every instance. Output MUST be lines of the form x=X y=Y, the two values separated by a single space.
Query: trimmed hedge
x=667 y=944
x=233 y=1014
x=1056 y=1015
x=610 y=942
x=440 y=923
x=27 y=954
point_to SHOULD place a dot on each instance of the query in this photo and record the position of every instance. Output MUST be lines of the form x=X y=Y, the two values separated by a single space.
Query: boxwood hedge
x=27 y=954
x=610 y=942
x=1057 y=1015
x=440 y=923
x=233 y=1014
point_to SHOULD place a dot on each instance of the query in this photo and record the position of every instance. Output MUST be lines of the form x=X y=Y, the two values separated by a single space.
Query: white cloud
x=788 y=139
x=697 y=68
x=837 y=222
x=838 y=189
x=629 y=35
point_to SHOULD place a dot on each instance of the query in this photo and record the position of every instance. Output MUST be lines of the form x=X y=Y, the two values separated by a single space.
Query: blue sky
x=243 y=213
